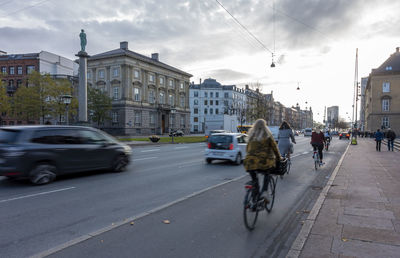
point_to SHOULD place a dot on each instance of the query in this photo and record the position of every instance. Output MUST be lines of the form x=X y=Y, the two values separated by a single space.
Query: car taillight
x=209 y=145
x=231 y=146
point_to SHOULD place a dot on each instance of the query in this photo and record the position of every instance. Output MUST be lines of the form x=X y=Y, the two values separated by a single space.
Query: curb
x=298 y=244
x=127 y=220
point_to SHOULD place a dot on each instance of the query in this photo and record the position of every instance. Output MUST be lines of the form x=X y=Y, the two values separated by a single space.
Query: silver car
x=226 y=146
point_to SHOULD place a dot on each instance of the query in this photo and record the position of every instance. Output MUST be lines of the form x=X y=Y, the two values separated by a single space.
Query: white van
x=308 y=132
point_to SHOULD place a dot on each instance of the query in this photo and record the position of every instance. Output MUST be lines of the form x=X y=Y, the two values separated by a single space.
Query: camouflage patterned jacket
x=261 y=155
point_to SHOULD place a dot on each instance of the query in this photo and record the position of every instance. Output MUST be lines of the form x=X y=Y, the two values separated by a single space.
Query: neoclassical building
x=148 y=96
x=382 y=96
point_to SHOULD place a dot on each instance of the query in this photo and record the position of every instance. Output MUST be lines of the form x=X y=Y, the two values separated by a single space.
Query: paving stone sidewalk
x=360 y=216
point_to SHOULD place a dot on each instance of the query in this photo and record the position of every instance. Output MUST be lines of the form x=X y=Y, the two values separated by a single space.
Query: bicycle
x=317 y=162
x=254 y=202
x=289 y=162
x=328 y=142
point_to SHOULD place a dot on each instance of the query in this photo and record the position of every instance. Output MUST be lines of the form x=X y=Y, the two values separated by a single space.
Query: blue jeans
x=390 y=144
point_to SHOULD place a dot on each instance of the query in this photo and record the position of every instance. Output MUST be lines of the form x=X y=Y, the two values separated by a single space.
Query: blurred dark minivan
x=40 y=153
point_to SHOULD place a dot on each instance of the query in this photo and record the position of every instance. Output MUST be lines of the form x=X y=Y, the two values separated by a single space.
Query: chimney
x=154 y=56
x=397 y=49
x=200 y=81
x=123 y=45
x=247 y=87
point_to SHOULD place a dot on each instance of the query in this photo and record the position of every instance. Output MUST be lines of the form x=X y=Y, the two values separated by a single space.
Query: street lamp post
x=173 y=111
x=66 y=99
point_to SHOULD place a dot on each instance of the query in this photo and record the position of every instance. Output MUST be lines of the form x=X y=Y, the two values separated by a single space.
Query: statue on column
x=82 y=36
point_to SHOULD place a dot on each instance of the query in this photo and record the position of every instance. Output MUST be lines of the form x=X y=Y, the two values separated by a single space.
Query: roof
x=127 y=52
x=19 y=56
x=391 y=65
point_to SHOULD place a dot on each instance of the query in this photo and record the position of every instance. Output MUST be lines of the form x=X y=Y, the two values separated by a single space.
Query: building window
x=151 y=77
x=182 y=100
x=11 y=83
x=101 y=74
x=385 y=122
x=19 y=70
x=114 y=116
x=196 y=111
x=217 y=94
x=386 y=87
x=205 y=102
x=206 y=94
x=3 y=70
x=385 y=104
x=226 y=95
x=136 y=94
x=171 y=100
x=388 y=68
x=89 y=75
x=196 y=128
x=12 y=69
x=196 y=93
x=195 y=119
x=171 y=83
x=216 y=102
x=211 y=102
x=136 y=74
x=19 y=83
x=138 y=118
x=216 y=111
x=183 y=121
x=196 y=102
x=211 y=94
x=181 y=85
x=211 y=111
x=151 y=96
x=30 y=69
x=116 y=93
x=162 y=80
x=116 y=72
x=152 y=118
x=162 y=98
x=205 y=111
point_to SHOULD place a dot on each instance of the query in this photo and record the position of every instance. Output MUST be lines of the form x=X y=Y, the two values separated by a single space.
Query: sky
x=314 y=42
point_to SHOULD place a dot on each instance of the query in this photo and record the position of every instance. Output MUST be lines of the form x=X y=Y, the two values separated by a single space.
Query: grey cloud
x=227 y=75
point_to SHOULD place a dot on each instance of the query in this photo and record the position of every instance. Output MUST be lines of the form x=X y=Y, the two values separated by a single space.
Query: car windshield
x=221 y=139
x=8 y=135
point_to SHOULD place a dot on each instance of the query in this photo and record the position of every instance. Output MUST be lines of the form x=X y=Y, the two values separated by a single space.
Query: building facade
x=364 y=82
x=332 y=116
x=382 y=96
x=15 y=69
x=216 y=107
x=148 y=96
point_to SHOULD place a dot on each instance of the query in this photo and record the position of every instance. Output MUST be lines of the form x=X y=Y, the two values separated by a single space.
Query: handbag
x=281 y=167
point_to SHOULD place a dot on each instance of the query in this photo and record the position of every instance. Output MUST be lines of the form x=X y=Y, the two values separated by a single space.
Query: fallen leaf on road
x=101 y=241
x=302 y=222
x=166 y=221
x=132 y=223
x=344 y=239
x=306 y=211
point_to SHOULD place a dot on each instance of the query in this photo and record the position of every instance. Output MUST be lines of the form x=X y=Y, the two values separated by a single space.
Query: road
x=203 y=203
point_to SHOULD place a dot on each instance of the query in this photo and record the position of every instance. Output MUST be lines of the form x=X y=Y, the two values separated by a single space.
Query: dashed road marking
x=36 y=194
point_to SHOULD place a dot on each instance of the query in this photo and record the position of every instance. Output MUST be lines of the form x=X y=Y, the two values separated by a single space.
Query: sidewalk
x=358 y=212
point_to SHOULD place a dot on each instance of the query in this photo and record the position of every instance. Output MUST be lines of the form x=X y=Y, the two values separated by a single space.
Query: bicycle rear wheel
x=269 y=188
x=289 y=164
x=250 y=211
x=316 y=164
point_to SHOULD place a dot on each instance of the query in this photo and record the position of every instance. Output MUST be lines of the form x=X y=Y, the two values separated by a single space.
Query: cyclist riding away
x=284 y=144
x=262 y=151
x=328 y=136
x=318 y=141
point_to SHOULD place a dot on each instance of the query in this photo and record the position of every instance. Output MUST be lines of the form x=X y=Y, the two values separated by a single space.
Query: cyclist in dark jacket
x=378 y=139
x=318 y=141
x=390 y=135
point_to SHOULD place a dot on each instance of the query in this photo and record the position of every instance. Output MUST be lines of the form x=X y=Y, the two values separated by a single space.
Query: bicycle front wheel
x=250 y=211
x=316 y=163
x=270 y=192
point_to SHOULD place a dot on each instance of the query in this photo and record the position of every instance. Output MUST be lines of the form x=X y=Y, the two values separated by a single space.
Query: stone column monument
x=82 y=88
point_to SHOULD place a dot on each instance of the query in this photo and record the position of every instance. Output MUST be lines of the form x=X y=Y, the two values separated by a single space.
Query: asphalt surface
x=208 y=224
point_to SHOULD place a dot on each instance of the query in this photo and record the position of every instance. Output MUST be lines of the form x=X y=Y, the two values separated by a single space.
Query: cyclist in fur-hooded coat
x=262 y=150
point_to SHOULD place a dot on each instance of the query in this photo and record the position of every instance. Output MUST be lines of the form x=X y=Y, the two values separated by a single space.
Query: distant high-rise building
x=364 y=82
x=332 y=116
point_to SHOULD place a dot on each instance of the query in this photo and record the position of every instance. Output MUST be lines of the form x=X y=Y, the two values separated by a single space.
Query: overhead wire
x=24 y=8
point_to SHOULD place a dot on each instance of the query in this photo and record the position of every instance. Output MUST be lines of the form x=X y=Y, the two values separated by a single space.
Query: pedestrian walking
x=390 y=135
x=378 y=139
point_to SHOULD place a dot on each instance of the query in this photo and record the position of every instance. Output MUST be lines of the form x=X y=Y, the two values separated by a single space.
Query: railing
x=396 y=144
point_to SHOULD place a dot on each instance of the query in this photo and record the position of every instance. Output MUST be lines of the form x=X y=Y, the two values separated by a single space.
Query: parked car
x=176 y=133
x=226 y=146
x=40 y=153
x=344 y=135
x=307 y=132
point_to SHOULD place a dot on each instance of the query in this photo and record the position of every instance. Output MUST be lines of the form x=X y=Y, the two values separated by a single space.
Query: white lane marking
x=305 y=152
x=37 y=194
x=145 y=158
x=177 y=148
x=150 y=150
